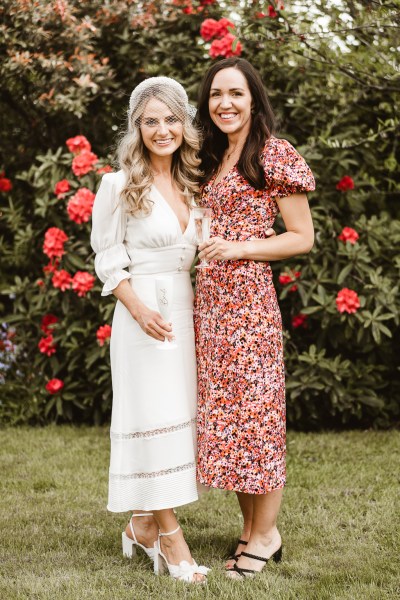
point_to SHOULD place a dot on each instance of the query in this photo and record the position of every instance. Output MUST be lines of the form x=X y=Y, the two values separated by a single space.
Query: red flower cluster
x=210 y=28
x=54 y=385
x=347 y=301
x=345 y=184
x=47 y=346
x=61 y=280
x=103 y=333
x=61 y=188
x=82 y=282
x=222 y=45
x=84 y=163
x=206 y=2
x=78 y=144
x=53 y=245
x=299 y=320
x=348 y=235
x=47 y=321
x=285 y=278
x=80 y=205
x=5 y=184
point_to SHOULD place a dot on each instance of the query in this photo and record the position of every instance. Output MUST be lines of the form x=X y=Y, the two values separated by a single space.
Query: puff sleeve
x=107 y=237
x=286 y=172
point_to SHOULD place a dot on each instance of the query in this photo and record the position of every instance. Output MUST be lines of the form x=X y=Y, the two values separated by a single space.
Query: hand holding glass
x=202 y=223
x=164 y=295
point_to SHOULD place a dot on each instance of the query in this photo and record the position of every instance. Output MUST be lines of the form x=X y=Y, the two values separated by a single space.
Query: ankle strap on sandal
x=169 y=532
x=142 y=515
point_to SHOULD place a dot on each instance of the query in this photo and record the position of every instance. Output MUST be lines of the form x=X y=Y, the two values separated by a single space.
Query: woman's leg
x=145 y=528
x=173 y=546
x=246 y=506
x=265 y=538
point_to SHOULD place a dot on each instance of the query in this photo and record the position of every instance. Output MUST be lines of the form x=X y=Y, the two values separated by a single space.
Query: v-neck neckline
x=214 y=184
x=172 y=211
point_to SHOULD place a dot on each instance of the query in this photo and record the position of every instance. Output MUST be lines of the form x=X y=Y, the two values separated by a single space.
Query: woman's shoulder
x=115 y=180
x=276 y=146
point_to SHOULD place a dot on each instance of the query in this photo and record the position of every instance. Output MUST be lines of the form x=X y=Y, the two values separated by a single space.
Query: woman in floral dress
x=249 y=176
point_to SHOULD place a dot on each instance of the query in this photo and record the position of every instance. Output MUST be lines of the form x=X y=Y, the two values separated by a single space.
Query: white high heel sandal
x=184 y=571
x=129 y=545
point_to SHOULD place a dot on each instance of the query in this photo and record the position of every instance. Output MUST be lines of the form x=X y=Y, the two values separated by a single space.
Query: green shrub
x=332 y=76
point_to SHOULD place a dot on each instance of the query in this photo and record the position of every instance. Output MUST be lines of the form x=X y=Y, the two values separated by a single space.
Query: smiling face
x=230 y=102
x=162 y=131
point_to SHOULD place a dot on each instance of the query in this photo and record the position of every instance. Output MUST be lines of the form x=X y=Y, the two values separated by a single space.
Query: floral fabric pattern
x=238 y=327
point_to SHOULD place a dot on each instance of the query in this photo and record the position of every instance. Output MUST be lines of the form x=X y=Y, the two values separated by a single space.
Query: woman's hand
x=152 y=323
x=219 y=249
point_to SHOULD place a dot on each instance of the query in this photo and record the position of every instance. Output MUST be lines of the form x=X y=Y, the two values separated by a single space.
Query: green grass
x=339 y=523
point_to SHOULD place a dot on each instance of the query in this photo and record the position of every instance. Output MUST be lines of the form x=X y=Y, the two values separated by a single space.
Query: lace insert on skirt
x=153 y=474
x=151 y=432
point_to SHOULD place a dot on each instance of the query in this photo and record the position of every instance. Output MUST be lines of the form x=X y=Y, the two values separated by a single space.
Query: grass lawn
x=339 y=523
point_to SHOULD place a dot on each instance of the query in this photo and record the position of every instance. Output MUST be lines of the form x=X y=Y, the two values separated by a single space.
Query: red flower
x=224 y=48
x=272 y=12
x=40 y=282
x=82 y=282
x=347 y=301
x=345 y=184
x=210 y=28
x=53 y=245
x=47 y=321
x=5 y=184
x=54 y=385
x=103 y=333
x=61 y=280
x=47 y=346
x=61 y=188
x=105 y=169
x=205 y=2
x=299 y=320
x=78 y=144
x=80 y=205
x=285 y=278
x=348 y=235
x=260 y=15
x=51 y=267
x=84 y=163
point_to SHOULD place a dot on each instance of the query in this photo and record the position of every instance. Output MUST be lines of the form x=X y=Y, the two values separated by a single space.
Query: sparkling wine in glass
x=164 y=295
x=202 y=223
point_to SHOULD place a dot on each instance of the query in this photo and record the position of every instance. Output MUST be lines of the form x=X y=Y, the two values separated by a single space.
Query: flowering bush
x=340 y=347
x=64 y=334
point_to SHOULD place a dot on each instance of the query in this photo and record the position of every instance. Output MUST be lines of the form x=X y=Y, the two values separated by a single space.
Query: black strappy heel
x=236 y=557
x=276 y=557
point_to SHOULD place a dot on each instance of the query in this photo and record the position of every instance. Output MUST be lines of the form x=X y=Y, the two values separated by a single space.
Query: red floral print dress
x=238 y=328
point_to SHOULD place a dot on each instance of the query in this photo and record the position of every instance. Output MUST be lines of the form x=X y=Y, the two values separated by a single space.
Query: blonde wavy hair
x=133 y=156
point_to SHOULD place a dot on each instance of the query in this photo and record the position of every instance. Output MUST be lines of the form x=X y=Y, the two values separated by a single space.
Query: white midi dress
x=153 y=422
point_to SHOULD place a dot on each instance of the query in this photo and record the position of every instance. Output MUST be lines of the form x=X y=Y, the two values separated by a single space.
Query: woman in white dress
x=143 y=230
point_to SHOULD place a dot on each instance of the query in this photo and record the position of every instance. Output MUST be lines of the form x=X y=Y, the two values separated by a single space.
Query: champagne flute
x=164 y=295
x=202 y=222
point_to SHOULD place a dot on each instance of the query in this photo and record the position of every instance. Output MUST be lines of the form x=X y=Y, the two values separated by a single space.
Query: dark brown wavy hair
x=215 y=141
